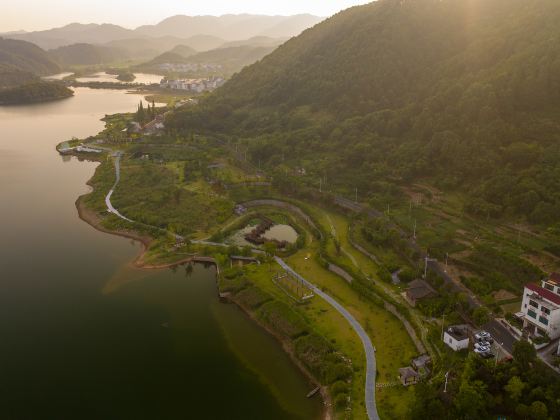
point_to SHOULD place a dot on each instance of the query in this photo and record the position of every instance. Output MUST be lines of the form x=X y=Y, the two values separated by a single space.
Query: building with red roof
x=541 y=307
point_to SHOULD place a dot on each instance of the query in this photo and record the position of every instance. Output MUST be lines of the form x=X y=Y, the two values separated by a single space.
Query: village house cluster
x=189 y=67
x=193 y=85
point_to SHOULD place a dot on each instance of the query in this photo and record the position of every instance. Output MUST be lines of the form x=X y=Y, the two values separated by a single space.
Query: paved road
x=501 y=335
x=368 y=347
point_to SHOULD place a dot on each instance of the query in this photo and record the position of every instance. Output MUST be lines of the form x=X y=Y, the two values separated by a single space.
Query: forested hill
x=464 y=93
x=27 y=57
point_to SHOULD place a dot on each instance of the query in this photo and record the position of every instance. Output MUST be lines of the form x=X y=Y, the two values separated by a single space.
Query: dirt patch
x=463 y=255
x=503 y=295
x=546 y=263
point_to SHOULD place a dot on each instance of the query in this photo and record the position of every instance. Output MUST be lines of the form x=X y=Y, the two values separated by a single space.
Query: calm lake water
x=143 y=78
x=85 y=336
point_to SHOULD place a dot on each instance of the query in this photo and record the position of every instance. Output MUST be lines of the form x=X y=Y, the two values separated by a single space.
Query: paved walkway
x=108 y=203
x=368 y=347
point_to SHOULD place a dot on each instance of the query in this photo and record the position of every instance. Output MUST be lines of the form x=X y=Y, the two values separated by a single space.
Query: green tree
x=524 y=353
x=481 y=316
x=471 y=400
x=538 y=411
x=515 y=387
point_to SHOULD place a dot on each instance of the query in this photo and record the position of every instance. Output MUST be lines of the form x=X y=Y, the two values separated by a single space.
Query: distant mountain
x=183 y=51
x=166 y=57
x=203 y=42
x=223 y=29
x=256 y=41
x=232 y=59
x=76 y=33
x=293 y=26
x=87 y=54
x=231 y=27
x=229 y=60
x=146 y=48
x=26 y=57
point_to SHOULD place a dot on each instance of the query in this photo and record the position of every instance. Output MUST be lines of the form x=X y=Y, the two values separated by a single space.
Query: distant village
x=175 y=67
x=193 y=85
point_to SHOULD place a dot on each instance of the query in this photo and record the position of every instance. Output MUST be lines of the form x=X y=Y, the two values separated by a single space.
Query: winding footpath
x=368 y=347
x=110 y=208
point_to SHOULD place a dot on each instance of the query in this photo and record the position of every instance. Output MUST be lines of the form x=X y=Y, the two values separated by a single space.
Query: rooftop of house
x=458 y=332
x=407 y=373
x=419 y=289
x=544 y=293
x=422 y=361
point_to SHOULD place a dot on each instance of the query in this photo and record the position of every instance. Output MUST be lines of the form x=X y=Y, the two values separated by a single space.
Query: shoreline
x=91 y=218
x=288 y=349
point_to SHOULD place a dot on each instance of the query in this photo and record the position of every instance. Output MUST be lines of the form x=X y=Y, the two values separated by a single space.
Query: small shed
x=418 y=290
x=421 y=364
x=408 y=376
x=457 y=337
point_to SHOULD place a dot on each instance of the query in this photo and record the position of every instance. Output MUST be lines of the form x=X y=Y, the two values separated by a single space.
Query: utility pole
x=446 y=377
x=426 y=266
x=414 y=234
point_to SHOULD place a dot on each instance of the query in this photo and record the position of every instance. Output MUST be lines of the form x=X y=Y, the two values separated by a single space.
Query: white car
x=481 y=344
x=483 y=336
x=482 y=350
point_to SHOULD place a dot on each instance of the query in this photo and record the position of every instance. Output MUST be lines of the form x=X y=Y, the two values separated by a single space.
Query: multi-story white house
x=541 y=307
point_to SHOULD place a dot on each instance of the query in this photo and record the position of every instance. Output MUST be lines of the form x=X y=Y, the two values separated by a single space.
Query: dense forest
x=34 y=92
x=11 y=76
x=464 y=94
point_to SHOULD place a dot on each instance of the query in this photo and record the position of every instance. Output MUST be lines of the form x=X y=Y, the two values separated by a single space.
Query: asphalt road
x=368 y=347
x=501 y=335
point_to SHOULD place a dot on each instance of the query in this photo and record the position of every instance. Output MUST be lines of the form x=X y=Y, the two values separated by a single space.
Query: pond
x=280 y=232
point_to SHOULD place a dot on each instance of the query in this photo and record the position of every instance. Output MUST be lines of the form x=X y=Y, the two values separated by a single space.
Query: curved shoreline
x=91 y=218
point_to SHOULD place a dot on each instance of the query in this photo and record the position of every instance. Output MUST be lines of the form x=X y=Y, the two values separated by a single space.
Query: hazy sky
x=44 y=14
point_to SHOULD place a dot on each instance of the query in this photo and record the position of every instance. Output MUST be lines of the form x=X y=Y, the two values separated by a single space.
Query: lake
x=142 y=78
x=159 y=345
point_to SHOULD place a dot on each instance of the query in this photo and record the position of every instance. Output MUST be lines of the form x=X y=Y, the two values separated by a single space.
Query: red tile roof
x=544 y=293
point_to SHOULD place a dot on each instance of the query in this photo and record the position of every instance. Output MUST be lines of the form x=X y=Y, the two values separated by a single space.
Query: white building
x=457 y=337
x=193 y=85
x=541 y=307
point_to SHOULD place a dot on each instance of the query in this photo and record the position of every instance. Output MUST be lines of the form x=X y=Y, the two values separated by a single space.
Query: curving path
x=368 y=347
x=110 y=208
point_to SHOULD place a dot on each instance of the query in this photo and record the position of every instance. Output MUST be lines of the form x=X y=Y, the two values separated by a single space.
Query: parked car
x=482 y=350
x=483 y=336
x=481 y=344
